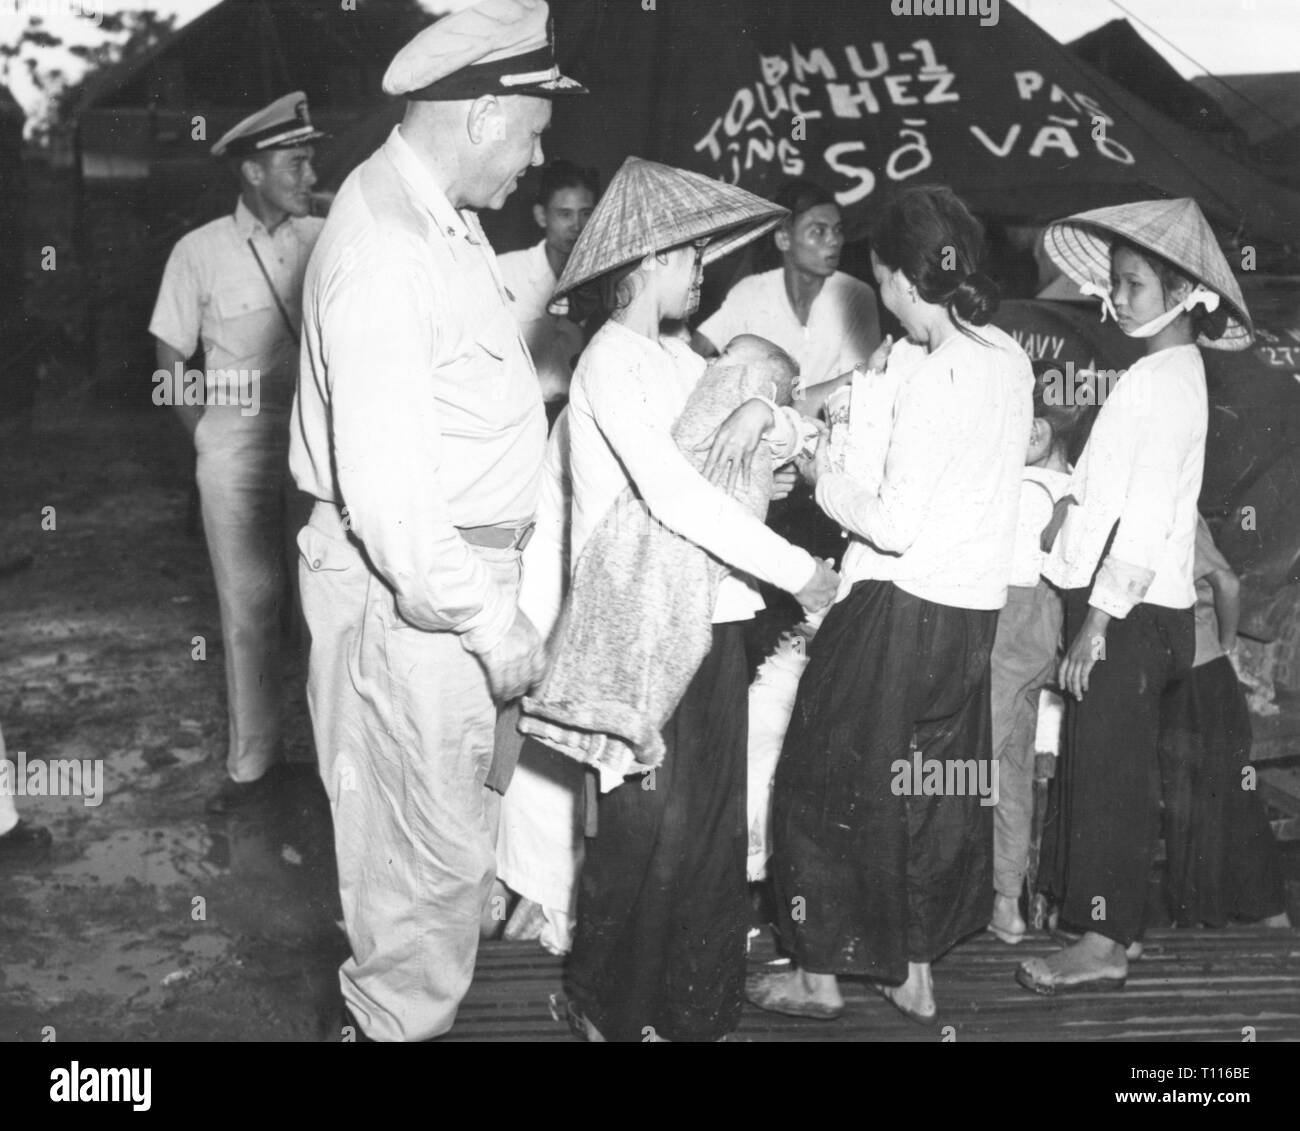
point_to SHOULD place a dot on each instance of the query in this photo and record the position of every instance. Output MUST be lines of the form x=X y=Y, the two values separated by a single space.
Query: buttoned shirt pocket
x=236 y=300
x=246 y=325
x=320 y=552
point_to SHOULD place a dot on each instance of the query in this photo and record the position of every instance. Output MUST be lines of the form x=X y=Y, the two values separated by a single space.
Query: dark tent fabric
x=1267 y=108
x=1122 y=55
x=866 y=101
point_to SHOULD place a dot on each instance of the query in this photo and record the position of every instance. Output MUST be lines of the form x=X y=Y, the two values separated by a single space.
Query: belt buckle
x=524 y=536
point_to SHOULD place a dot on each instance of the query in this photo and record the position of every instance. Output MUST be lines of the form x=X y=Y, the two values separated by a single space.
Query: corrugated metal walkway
x=1191 y=985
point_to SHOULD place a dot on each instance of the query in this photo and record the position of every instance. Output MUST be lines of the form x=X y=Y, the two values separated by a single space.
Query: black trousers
x=872 y=871
x=1223 y=863
x=662 y=909
x=1109 y=776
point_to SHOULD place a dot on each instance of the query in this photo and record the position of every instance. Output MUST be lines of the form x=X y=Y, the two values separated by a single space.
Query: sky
x=1223 y=36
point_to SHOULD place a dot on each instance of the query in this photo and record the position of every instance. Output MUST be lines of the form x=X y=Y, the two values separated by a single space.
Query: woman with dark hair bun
x=881 y=819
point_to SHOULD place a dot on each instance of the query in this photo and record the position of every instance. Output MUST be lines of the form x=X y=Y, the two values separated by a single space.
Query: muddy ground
x=148 y=921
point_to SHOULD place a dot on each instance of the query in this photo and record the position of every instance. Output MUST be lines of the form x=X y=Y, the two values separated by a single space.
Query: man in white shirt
x=418 y=427
x=826 y=320
x=234 y=286
x=565 y=199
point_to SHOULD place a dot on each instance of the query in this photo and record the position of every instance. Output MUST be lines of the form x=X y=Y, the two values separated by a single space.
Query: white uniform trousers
x=404 y=726
x=244 y=490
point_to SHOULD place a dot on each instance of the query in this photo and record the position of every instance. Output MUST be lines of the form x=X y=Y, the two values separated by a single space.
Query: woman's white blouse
x=940 y=521
x=1142 y=468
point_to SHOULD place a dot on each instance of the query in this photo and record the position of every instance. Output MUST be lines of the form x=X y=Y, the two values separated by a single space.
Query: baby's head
x=762 y=360
x=1062 y=419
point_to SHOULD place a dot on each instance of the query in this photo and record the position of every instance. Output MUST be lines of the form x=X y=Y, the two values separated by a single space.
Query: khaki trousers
x=404 y=725
x=249 y=503
x=1023 y=662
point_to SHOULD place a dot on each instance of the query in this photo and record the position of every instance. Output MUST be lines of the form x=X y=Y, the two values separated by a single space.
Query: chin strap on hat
x=1096 y=290
x=1200 y=296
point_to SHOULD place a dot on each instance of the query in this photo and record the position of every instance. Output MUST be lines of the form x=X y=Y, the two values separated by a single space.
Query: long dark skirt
x=662 y=909
x=1106 y=825
x=868 y=874
x=1222 y=859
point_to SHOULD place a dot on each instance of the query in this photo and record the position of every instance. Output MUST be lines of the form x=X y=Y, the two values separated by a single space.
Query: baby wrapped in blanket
x=637 y=624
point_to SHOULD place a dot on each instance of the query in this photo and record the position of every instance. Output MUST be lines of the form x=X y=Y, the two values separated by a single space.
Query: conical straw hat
x=1173 y=229
x=652 y=207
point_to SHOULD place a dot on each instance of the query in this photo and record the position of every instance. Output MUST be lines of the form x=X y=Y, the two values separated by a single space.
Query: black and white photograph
x=642 y=521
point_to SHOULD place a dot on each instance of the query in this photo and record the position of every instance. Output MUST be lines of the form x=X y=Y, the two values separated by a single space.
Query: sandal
x=1034 y=975
x=764 y=991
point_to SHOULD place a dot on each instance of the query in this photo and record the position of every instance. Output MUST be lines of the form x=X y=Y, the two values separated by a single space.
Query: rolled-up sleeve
x=381 y=342
x=894 y=517
x=682 y=499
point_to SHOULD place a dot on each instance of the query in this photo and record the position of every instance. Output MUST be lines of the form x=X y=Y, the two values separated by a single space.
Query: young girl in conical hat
x=1123 y=558
x=662 y=914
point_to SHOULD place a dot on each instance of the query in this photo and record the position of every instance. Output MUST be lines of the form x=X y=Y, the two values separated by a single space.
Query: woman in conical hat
x=1123 y=558
x=662 y=914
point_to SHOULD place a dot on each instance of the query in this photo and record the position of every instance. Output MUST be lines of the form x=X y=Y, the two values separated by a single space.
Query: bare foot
x=916 y=995
x=1006 y=922
x=1094 y=959
x=526 y=921
x=797 y=993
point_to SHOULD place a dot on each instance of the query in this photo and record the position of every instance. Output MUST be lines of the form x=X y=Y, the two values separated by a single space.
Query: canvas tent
x=866 y=101
x=1267 y=109
x=1122 y=55
x=138 y=116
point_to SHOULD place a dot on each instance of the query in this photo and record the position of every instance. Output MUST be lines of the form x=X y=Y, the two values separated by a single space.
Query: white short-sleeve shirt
x=843 y=323
x=552 y=339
